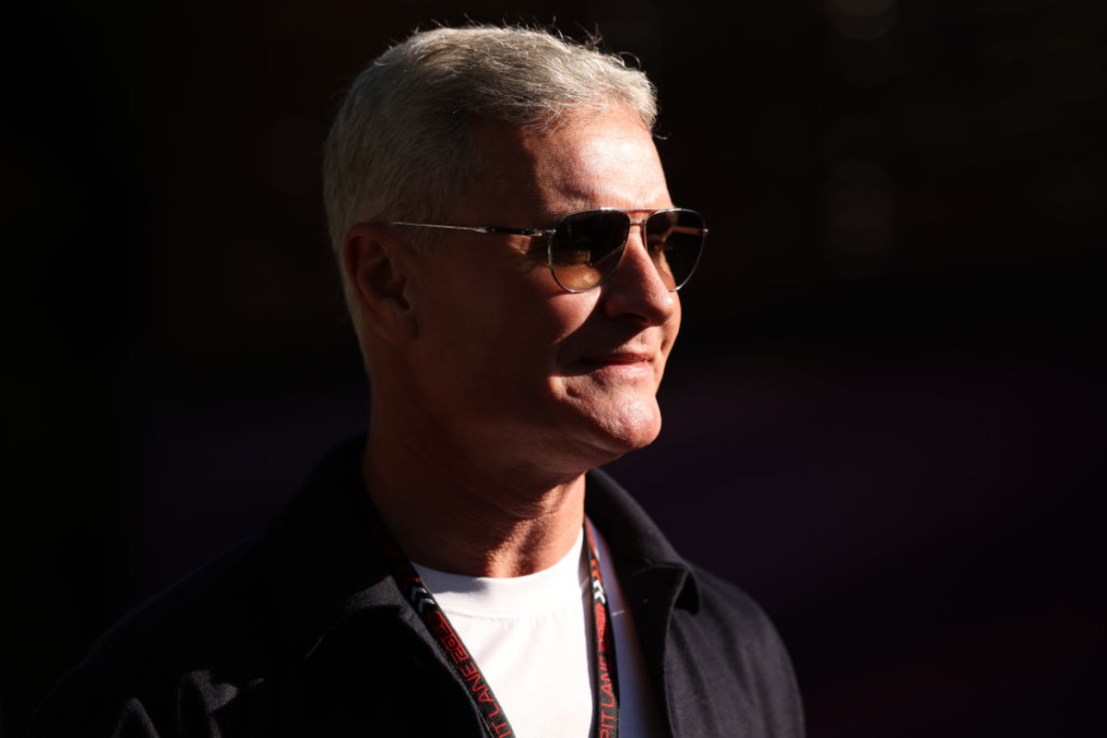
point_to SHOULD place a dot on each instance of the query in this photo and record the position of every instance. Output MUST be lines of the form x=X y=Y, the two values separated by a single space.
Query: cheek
x=514 y=340
x=540 y=327
x=671 y=329
x=503 y=331
x=569 y=315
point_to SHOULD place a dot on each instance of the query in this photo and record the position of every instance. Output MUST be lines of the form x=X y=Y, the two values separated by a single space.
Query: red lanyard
x=605 y=688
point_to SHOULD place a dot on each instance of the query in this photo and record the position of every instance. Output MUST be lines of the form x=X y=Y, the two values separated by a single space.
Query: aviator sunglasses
x=584 y=248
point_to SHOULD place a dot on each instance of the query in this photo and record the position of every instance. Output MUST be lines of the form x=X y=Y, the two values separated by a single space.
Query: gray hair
x=399 y=146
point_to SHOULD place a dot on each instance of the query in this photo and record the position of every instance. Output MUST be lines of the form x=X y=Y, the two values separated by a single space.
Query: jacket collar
x=321 y=562
x=323 y=567
x=642 y=552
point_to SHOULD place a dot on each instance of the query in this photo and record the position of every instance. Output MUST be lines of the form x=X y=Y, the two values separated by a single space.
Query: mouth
x=616 y=364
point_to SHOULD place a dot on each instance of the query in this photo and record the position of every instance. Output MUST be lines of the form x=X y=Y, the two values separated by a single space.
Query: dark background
x=883 y=419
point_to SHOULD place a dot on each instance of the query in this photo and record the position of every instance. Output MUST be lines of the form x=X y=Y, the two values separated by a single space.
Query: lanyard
x=605 y=688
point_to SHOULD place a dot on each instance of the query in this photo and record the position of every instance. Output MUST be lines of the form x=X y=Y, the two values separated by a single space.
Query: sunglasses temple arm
x=533 y=232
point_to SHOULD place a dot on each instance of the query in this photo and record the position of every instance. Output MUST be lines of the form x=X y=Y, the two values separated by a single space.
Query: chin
x=629 y=427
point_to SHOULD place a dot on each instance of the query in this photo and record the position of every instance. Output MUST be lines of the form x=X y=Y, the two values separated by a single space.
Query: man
x=510 y=255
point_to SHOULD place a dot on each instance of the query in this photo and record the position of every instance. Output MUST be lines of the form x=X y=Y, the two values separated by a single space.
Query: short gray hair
x=399 y=146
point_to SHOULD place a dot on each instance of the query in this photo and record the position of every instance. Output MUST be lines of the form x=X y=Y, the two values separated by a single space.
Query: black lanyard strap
x=605 y=687
x=605 y=693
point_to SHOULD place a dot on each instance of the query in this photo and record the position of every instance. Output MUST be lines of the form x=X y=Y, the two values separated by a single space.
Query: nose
x=636 y=287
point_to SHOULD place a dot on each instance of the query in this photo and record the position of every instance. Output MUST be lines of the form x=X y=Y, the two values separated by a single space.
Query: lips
x=619 y=357
x=618 y=363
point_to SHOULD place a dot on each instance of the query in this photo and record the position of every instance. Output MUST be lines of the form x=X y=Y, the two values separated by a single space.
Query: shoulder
x=735 y=619
x=200 y=642
x=727 y=644
x=229 y=650
x=725 y=669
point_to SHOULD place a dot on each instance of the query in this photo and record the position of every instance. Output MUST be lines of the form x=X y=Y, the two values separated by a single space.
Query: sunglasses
x=584 y=248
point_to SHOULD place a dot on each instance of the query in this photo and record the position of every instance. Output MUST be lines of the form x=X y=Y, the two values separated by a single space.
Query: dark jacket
x=302 y=632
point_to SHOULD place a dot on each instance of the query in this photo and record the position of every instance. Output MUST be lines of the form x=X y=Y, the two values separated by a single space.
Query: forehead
x=594 y=159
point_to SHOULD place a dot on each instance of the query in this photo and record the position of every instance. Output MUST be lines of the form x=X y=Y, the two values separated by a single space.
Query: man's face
x=509 y=364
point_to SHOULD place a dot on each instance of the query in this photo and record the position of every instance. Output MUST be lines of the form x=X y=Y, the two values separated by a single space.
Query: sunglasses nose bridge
x=624 y=246
x=621 y=249
x=641 y=225
x=655 y=269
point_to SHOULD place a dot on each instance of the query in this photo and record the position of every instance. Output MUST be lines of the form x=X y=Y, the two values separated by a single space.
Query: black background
x=883 y=419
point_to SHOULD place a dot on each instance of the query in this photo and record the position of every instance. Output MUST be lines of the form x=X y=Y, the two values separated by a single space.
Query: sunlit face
x=510 y=365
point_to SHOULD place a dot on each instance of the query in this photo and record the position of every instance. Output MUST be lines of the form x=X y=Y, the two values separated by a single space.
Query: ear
x=376 y=265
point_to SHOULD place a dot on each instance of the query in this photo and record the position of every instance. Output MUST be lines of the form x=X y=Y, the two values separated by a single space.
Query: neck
x=456 y=515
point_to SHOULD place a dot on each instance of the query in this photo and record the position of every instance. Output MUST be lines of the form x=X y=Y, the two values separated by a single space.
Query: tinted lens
x=586 y=247
x=675 y=240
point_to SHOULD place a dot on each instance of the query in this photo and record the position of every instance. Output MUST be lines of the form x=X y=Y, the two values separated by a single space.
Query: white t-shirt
x=531 y=637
